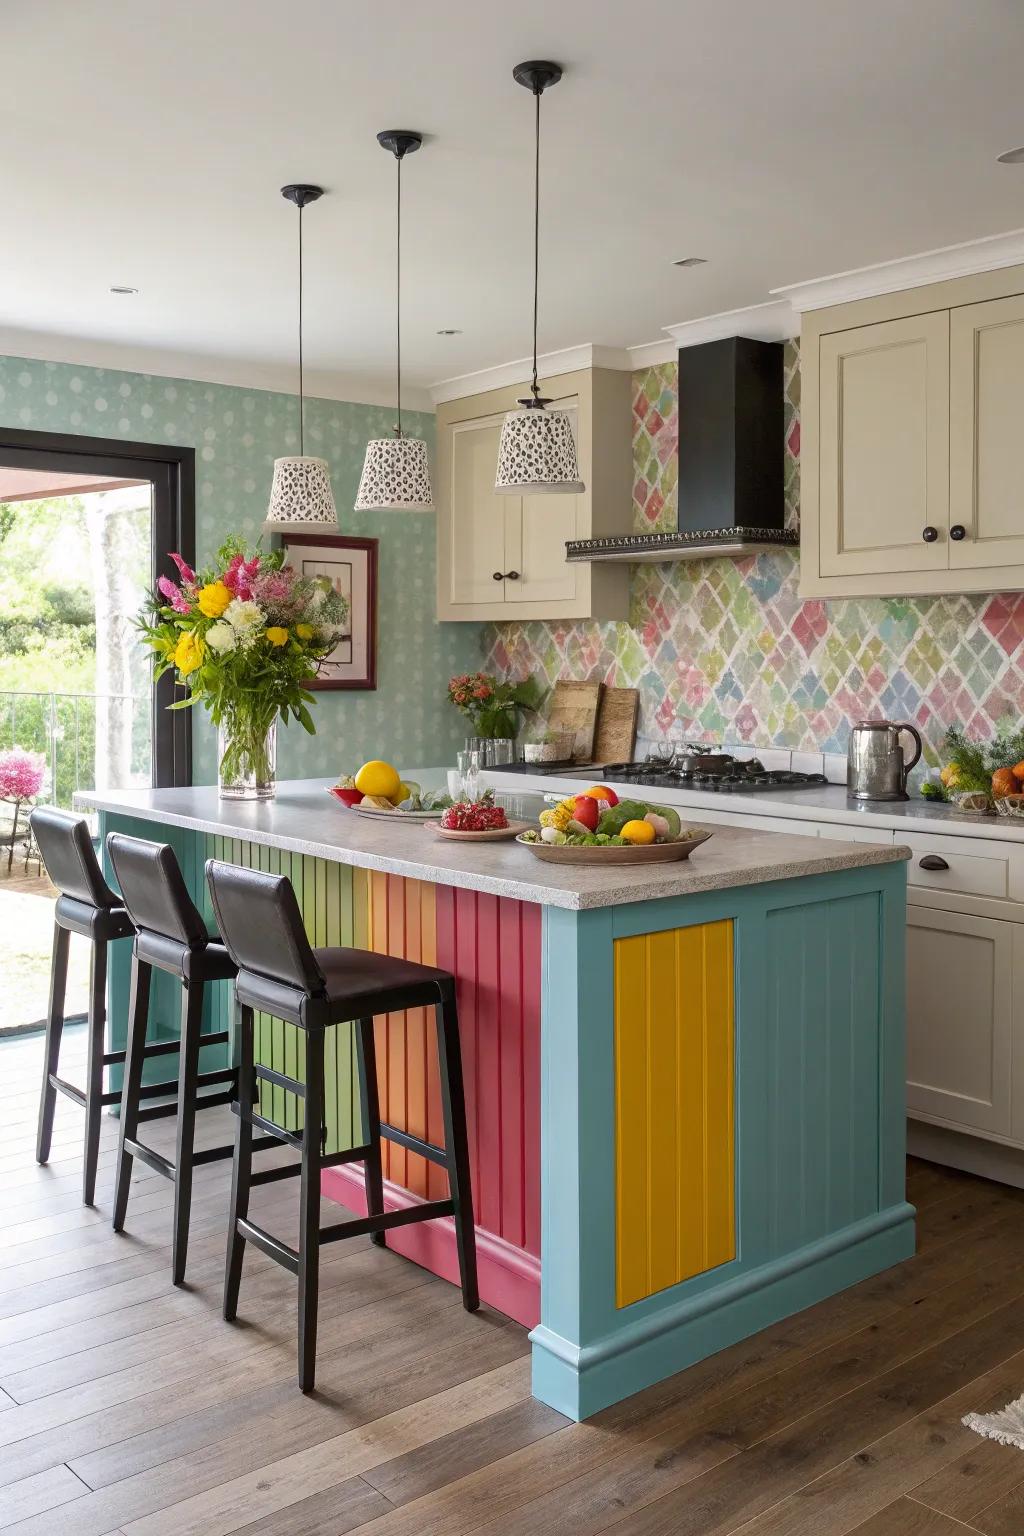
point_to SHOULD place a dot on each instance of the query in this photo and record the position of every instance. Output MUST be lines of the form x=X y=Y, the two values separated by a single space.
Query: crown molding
x=771 y=321
x=240 y=373
x=649 y=353
x=949 y=261
x=503 y=375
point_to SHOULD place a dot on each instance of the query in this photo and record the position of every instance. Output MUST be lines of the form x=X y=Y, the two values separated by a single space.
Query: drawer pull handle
x=958 y=532
x=930 y=534
x=511 y=575
x=497 y=576
x=933 y=861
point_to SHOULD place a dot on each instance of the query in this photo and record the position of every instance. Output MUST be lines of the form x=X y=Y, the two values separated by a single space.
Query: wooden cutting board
x=573 y=707
x=615 y=734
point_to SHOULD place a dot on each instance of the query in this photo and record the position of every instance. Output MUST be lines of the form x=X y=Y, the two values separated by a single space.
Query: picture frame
x=351 y=566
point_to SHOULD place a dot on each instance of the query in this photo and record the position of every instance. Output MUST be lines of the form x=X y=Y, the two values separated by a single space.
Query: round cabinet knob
x=512 y=575
x=497 y=576
x=930 y=534
x=958 y=532
x=933 y=861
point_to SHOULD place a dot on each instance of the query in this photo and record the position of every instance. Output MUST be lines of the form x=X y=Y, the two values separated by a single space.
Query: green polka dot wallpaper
x=237 y=434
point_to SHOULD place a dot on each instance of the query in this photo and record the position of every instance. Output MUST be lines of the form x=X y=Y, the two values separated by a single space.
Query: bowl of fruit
x=596 y=827
x=378 y=789
x=478 y=821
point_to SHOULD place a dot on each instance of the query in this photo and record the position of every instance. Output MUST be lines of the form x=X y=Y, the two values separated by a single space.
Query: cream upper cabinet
x=884 y=446
x=986 y=449
x=503 y=557
x=912 y=453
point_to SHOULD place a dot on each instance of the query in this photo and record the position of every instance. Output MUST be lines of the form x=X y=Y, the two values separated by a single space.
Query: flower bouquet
x=244 y=637
x=492 y=707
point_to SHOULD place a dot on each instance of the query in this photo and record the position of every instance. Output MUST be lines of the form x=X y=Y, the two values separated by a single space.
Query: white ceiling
x=145 y=142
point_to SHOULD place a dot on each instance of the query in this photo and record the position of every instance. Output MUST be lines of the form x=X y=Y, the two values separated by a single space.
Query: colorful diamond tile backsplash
x=727 y=649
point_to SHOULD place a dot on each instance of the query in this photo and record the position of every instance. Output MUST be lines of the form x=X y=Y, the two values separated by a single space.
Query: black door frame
x=172 y=473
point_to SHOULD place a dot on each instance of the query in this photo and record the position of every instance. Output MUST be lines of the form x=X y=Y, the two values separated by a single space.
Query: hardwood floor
x=129 y=1408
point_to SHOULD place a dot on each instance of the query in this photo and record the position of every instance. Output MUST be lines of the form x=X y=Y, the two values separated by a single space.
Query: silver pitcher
x=876 y=766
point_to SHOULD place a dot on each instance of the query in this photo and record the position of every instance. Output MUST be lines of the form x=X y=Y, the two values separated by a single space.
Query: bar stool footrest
x=68 y=1089
x=154 y=1160
x=280 y=1080
x=403 y=1217
x=268 y=1244
x=414 y=1144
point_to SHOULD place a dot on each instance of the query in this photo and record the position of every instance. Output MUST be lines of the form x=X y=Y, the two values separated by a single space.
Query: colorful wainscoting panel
x=492 y=946
x=675 y=1151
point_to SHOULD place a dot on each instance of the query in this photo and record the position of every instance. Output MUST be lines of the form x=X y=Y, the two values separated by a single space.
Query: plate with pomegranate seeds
x=477 y=821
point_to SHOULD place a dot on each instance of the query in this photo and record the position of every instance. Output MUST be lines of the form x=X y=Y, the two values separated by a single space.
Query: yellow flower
x=305 y=631
x=213 y=599
x=276 y=635
x=188 y=654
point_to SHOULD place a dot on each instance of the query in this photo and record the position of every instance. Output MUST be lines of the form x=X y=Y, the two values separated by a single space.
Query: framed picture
x=350 y=565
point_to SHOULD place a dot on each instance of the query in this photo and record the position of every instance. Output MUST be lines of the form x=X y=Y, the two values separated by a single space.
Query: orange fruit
x=1004 y=782
x=602 y=792
x=639 y=832
x=1018 y=771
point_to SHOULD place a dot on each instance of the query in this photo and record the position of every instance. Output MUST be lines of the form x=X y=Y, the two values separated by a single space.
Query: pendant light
x=537 y=452
x=301 y=494
x=396 y=474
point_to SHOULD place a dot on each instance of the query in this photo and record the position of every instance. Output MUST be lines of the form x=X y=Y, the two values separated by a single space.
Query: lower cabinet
x=960 y=1019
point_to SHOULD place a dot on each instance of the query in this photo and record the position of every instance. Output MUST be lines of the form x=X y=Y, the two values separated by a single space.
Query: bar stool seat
x=171 y=935
x=87 y=906
x=281 y=974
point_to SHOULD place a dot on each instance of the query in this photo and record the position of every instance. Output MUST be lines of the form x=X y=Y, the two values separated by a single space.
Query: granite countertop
x=303 y=819
x=829 y=802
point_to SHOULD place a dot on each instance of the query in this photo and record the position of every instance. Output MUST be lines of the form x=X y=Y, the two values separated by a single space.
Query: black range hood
x=730 y=459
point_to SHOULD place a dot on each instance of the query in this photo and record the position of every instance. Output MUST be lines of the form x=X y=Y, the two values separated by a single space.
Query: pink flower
x=21 y=774
x=240 y=575
x=174 y=595
x=274 y=586
x=185 y=571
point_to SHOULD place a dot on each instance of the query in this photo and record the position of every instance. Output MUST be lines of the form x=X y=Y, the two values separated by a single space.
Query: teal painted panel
x=822 y=1031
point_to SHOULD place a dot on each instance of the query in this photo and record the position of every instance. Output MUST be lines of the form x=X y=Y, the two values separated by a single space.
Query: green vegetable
x=612 y=821
x=971 y=759
x=932 y=791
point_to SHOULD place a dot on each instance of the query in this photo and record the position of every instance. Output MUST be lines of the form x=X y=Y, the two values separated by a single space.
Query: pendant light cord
x=536 y=232
x=302 y=443
x=398 y=298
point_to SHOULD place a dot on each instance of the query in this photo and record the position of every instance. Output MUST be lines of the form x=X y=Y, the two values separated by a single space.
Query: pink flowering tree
x=21 y=778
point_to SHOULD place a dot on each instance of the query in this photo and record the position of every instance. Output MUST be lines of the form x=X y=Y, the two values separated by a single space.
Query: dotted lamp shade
x=537 y=453
x=300 y=494
x=395 y=475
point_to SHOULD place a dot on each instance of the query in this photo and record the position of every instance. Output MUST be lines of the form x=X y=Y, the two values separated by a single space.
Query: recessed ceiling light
x=691 y=261
x=449 y=331
x=122 y=288
x=1011 y=157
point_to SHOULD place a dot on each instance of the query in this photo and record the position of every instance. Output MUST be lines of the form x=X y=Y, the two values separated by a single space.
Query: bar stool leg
x=309 y=1209
x=138 y=1019
x=188 y=1072
x=373 y=1171
x=54 y=1030
x=456 y=1141
x=241 y=1169
x=94 y=1080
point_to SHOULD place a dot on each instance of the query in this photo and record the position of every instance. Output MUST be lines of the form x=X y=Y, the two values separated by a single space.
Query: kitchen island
x=684 y=1082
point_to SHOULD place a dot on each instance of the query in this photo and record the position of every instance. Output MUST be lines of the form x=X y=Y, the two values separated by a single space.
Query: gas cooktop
x=707 y=768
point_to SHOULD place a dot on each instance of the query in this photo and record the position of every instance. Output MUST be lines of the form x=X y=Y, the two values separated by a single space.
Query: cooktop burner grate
x=713 y=771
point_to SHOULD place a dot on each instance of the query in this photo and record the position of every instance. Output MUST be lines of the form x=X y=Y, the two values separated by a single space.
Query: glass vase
x=247 y=758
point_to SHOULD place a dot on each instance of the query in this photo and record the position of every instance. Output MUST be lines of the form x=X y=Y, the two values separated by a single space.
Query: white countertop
x=304 y=819
x=829 y=802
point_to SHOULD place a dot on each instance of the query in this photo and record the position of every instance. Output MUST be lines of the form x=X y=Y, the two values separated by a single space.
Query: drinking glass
x=469 y=773
x=455 y=783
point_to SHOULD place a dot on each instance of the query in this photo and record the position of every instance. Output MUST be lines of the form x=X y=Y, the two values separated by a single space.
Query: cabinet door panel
x=986 y=449
x=478 y=515
x=959 y=1019
x=535 y=542
x=884 y=457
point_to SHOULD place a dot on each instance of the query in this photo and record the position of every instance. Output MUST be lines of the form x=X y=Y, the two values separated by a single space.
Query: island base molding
x=581 y=1381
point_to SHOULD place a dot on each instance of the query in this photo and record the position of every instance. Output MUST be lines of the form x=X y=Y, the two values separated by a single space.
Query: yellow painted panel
x=674 y=1107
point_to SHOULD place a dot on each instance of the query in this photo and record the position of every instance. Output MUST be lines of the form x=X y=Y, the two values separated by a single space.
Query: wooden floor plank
x=37 y=1497
x=907 y=1518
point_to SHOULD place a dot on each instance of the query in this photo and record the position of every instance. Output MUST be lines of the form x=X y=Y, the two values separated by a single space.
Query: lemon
x=377 y=778
x=639 y=832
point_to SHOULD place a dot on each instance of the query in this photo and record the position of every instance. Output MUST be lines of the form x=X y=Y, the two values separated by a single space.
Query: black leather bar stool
x=85 y=905
x=280 y=974
x=170 y=933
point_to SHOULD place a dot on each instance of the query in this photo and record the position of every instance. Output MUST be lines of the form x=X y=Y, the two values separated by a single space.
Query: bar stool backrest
x=261 y=926
x=65 y=843
x=154 y=889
